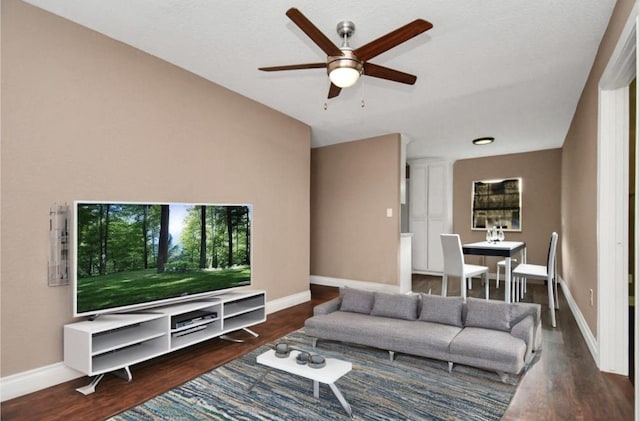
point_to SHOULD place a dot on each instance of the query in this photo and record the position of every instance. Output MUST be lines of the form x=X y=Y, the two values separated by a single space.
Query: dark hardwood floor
x=564 y=384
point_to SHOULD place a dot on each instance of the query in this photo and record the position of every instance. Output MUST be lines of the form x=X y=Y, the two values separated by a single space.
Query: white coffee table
x=329 y=374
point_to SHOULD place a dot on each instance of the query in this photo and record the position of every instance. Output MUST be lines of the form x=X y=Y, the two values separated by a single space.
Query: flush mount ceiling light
x=483 y=140
x=345 y=65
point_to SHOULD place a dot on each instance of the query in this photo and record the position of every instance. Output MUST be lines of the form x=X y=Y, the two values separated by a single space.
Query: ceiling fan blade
x=334 y=91
x=314 y=33
x=382 y=72
x=294 y=67
x=392 y=39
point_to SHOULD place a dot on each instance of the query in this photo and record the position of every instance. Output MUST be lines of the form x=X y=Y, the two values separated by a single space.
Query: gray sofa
x=487 y=334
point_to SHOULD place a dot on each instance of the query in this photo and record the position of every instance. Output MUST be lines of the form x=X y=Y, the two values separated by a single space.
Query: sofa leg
x=392 y=355
x=314 y=342
x=450 y=366
x=503 y=376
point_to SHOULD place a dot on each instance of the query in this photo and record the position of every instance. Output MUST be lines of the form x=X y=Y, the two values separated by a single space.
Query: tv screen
x=134 y=255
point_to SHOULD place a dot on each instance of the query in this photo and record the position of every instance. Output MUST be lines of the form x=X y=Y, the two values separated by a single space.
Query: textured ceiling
x=509 y=69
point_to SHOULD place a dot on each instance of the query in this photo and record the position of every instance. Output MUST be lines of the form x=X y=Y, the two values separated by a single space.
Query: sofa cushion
x=357 y=300
x=488 y=348
x=397 y=306
x=488 y=314
x=425 y=339
x=438 y=309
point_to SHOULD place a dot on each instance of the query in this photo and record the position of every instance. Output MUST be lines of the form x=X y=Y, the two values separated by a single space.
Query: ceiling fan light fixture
x=343 y=77
x=345 y=70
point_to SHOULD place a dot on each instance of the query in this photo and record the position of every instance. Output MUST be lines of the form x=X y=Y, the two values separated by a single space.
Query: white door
x=429 y=212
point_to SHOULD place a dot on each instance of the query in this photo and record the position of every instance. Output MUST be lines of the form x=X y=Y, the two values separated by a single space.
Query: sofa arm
x=327 y=307
x=524 y=330
x=522 y=311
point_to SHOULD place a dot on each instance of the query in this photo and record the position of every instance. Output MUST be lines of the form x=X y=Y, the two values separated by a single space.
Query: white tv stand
x=113 y=342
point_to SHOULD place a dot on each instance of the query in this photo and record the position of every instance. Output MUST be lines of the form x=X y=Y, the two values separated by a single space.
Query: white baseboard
x=289 y=301
x=339 y=282
x=426 y=272
x=30 y=381
x=33 y=380
x=592 y=342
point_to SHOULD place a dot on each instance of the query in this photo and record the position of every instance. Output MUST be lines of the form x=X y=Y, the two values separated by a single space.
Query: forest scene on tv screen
x=129 y=254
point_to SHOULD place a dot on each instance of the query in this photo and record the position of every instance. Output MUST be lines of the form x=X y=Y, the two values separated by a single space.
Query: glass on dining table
x=492 y=234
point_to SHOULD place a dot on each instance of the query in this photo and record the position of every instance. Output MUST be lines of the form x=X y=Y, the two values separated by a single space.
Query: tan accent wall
x=579 y=179
x=540 y=173
x=352 y=185
x=86 y=117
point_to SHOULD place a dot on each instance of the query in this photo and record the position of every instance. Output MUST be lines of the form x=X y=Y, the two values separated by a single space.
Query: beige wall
x=86 y=117
x=352 y=185
x=579 y=179
x=540 y=173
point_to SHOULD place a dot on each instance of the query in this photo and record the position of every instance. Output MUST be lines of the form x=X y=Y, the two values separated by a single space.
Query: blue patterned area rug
x=408 y=388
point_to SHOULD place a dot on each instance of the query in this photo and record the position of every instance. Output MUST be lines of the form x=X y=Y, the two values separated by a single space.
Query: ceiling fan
x=345 y=65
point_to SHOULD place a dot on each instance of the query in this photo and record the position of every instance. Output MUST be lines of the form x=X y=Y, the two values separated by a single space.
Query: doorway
x=632 y=223
x=616 y=249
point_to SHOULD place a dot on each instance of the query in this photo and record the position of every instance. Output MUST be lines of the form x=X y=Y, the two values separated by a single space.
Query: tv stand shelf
x=114 y=342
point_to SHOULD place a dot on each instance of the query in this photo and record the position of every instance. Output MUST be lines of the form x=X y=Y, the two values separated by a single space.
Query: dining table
x=506 y=249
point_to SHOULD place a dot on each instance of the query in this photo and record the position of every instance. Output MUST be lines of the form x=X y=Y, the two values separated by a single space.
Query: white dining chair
x=454 y=265
x=526 y=271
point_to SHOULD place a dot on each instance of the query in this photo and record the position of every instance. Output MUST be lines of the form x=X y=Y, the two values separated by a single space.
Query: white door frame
x=612 y=206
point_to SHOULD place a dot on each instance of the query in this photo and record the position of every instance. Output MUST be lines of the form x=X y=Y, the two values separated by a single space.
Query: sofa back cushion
x=445 y=310
x=488 y=314
x=397 y=306
x=357 y=300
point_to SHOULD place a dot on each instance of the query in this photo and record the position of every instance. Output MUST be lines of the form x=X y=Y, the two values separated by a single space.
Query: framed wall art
x=497 y=203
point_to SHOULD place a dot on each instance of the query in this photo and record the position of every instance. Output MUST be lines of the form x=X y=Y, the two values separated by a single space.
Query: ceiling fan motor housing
x=348 y=60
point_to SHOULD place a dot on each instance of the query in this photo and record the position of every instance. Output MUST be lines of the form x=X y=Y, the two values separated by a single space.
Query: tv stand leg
x=250 y=332
x=124 y=373
x=91 y=387
x=230 y=339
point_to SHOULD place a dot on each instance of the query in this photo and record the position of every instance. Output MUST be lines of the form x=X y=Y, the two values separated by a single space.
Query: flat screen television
x=130 y=256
